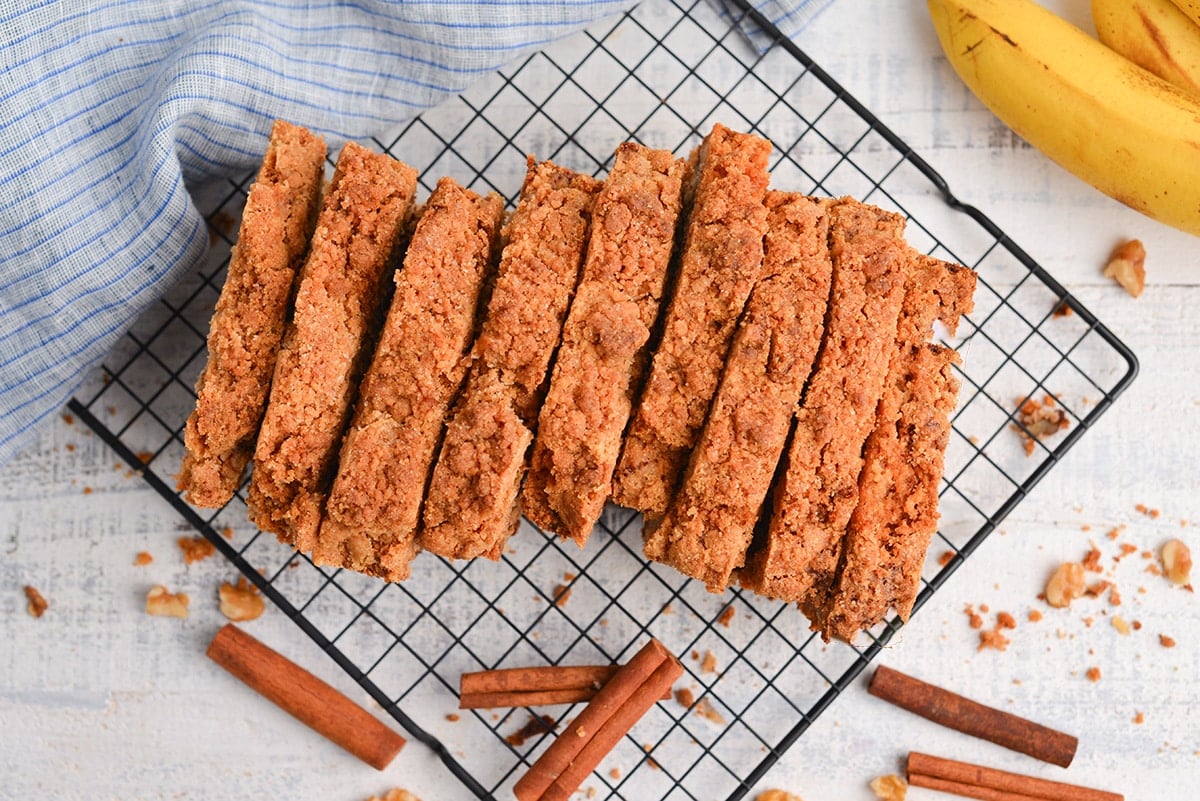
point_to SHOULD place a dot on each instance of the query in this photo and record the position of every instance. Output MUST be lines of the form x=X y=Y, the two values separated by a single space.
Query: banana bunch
x=1122 y=129
x=1154 y=34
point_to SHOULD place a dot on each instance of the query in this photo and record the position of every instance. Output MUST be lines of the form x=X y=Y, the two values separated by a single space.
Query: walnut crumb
x=1038 y=421
x=35 y=604
x=1127 y=266
x=1065 y=584
x=709 y=663
x=395 y=794
x=1093 y=674
x=161 y=602
x=142 y=559
x=1165 y=641
x=1176 y=560
x=240 y=602
x=195 y=548
x=889 y=788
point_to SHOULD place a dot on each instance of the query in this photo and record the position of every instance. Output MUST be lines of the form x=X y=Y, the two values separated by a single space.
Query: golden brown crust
x=323 y=351
x=711 y=520
x=248 y=322
x=896 y=515
x=472 y=505
x=722 y=259
x=601 y=358
x=818 y=491
x=373 y=510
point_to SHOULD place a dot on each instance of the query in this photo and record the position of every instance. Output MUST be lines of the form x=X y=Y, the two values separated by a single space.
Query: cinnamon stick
x=305 y=697
x=533 y=686
x=617 y=706
x=969 y=717
x=989 y=784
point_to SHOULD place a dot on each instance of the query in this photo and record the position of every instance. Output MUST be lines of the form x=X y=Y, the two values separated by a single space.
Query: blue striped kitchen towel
x=113 y=109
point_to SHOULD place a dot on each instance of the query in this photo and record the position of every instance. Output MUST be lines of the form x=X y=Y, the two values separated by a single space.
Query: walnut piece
x=1121 y=625
x=889 y=788
x=1127 y=266
x=1176 y=560
x=163 y=603
x=36 y=605
x=1065 y=585
x=777 y=795
x=240 y=602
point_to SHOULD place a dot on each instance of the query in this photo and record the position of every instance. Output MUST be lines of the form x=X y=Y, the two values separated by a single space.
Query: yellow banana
x=1154 y=34
x=1189 y=7
x=1125 y=131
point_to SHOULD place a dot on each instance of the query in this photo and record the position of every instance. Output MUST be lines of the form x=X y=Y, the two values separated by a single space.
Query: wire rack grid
x=660 y=74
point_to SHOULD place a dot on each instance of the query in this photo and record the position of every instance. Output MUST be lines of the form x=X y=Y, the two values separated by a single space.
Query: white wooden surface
x=99 y=701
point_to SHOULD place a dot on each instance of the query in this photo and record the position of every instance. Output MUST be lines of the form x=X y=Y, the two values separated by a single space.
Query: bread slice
x=722 y=260
x=472 y=505
x=603 y=351
x=896 y=515
x=813 y=500
x=325 y=346
x=711 y=520
x=247 y=325
x=371 y=519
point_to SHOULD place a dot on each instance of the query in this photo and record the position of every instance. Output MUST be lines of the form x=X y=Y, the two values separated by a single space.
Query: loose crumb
x=145 y=457
x=195 y=548
x=161 y=602
x=1062 y=309
x=727 y=615
x=1165 y=641
x=647 y=747
x=533 y=727
x=1093 y=674
x=684 y=697
x=1039 y=421
x=975 y=620
x=945 y=558
x=1121 y=625
x=395 y=794
x=240 y=602
x=142 y=559
x=452 y=717
x=1005 y=621
x=561 y=593
x=1139 y=718
x=1034 y=616
x=69 y=419
x=614 y=774
x=705 y=709
x=889 y=788
x=35 y=605
x=993 y=639
x=709 y=663
x=1091 y=561
x=227 y=532
x=777 y=795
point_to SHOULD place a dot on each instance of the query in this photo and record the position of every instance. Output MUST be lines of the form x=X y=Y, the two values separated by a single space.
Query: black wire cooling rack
x=661 y=74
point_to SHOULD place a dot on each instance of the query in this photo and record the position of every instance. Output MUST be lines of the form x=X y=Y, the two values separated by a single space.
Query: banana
x=1125 y=131
x=1189 y=7
x=1154 y=34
